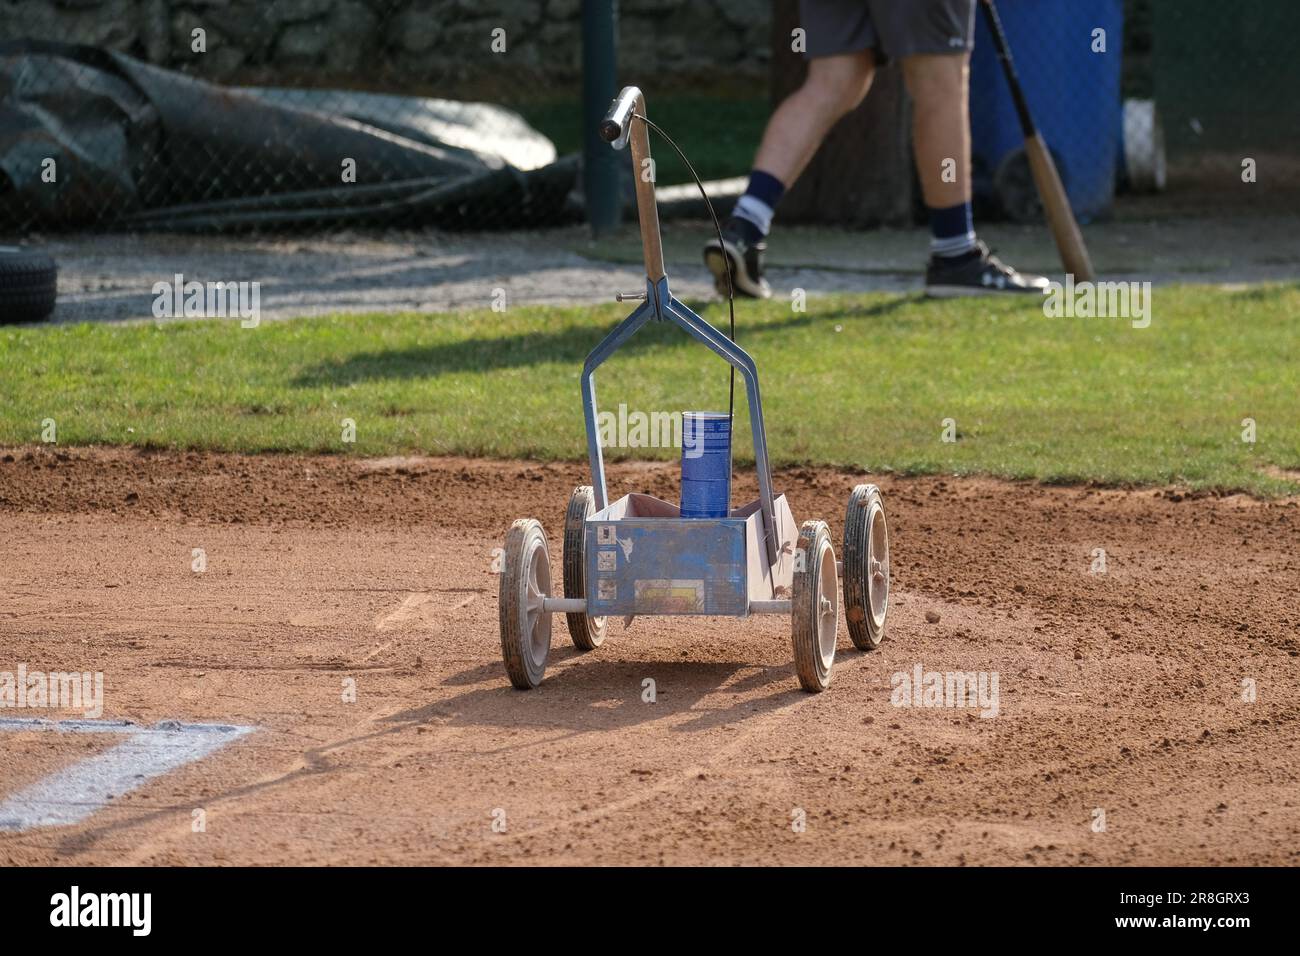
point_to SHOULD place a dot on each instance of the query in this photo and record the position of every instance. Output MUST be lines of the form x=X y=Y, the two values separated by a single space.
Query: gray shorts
x=893 y=29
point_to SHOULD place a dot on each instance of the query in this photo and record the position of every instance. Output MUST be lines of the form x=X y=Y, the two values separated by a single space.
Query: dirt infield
x=1121 y=692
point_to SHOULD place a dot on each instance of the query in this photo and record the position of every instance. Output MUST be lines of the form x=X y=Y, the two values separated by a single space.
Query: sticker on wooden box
x=606 y=560
x=675 y=595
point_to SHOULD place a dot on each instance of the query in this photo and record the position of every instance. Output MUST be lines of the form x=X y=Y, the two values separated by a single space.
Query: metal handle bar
x=616 y=125
x=619 y=128
x=619 y=121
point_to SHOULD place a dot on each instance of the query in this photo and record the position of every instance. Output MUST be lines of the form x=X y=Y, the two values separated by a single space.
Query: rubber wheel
x=866 y=567
x=815 y=607
x=588 y=632
x=525 y=581
x=28 y=285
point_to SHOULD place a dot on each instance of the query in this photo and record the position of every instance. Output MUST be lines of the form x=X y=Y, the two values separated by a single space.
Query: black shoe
x=744 y=258
x=977 y=273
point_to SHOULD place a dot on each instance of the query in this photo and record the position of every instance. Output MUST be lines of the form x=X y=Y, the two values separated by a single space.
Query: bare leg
x=834 y=86
x=939 y=84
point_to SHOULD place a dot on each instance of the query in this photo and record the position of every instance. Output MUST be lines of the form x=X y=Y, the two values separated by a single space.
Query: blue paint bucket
x=706 y=465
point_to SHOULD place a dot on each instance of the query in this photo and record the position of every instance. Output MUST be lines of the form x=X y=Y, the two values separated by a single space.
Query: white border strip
x=76 y=792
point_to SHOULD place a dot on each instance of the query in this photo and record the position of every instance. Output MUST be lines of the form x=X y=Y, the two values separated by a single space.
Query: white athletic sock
x=953 y=245
x=755 y=211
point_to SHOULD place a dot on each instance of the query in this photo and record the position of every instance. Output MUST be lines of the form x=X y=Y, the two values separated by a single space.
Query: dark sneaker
x=744 y=258
x=977 y=273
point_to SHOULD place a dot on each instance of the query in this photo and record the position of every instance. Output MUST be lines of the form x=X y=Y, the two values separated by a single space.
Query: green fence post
x=599 y=69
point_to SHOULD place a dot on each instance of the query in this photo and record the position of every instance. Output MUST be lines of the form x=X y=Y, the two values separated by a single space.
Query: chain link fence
x=1178 y=100
x=202 y=115
x=192 y=114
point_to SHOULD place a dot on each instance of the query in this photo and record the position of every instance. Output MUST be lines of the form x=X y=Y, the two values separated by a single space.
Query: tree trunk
x=862 y=174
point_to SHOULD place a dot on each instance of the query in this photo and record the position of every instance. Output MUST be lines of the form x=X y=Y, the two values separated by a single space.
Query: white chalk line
x=74 y=793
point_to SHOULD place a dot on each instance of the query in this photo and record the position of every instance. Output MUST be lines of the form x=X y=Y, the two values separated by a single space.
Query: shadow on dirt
x=596 y=696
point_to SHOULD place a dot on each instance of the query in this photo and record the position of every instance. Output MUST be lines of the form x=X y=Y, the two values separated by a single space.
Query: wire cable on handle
x=717 y=227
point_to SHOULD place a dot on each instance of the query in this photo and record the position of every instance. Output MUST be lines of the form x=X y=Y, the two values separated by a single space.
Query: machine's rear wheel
x=588 y=632
x=525 y=583
x=815 y=607
x=866 y=567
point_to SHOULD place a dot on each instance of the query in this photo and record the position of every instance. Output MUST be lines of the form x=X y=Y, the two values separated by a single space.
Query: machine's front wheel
x=525 y=583
x=588 y=632
x=866 y=567
x=814 y=607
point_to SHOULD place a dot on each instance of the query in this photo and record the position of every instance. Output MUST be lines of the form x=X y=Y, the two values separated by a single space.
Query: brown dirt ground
x=1120 y=691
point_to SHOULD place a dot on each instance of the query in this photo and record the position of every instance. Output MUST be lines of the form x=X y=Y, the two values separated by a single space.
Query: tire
x=866 y=567
x=588 y=632
x=525 y=627
x=814 y=607
x=28 y=285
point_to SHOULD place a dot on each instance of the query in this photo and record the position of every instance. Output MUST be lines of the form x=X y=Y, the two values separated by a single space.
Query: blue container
x=706 y=465
x=1073 y=94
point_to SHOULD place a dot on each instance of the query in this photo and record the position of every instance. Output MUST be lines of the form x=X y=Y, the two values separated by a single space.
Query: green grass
x=718 y=149
x=1032 y=397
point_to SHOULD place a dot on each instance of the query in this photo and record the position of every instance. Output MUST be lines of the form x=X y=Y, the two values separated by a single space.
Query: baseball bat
x=1060 y=217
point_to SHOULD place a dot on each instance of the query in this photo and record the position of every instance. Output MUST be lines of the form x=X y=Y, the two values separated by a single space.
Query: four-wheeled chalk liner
x=638 y=556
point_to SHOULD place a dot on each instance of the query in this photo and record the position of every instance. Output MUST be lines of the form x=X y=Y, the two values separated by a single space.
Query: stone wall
x=396 y=43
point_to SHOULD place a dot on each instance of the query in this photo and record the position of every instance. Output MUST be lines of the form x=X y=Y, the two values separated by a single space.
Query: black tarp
x=137 y=146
